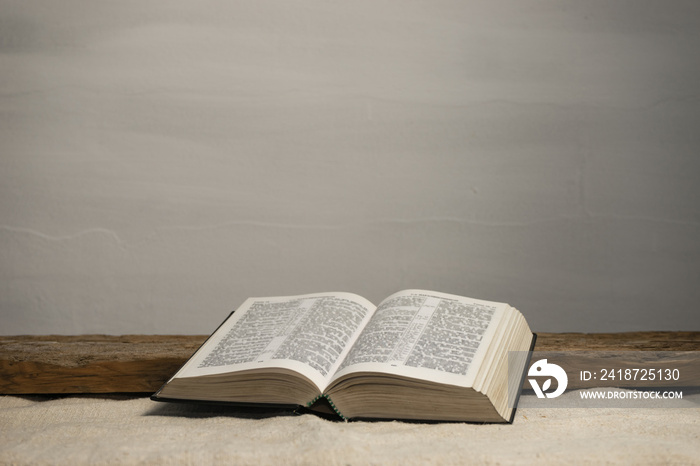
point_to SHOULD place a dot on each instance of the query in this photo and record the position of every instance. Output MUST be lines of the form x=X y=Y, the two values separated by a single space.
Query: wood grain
x=91 y=363
x=626 y=341
x=57 y=364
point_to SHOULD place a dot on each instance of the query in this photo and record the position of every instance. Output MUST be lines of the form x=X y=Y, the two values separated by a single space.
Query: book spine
x=330 y=402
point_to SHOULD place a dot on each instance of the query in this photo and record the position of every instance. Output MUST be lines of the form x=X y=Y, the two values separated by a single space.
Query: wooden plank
x=57 y=364
x=91 y=363
x=619 y=356
x=626 y=341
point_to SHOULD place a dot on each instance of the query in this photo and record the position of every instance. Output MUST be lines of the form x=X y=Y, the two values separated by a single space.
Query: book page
x=425 y=335
x=310 y=334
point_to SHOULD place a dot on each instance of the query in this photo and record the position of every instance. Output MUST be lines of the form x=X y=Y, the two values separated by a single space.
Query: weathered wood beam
x=57 y=364
x=91 y=363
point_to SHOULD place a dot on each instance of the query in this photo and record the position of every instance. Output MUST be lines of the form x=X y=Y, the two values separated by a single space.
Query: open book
x=417 y=355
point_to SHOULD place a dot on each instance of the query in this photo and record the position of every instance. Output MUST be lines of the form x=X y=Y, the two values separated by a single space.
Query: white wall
x=160 y=161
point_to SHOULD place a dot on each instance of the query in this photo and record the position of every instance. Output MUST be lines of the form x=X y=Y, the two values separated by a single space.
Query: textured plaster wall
x=160 y=161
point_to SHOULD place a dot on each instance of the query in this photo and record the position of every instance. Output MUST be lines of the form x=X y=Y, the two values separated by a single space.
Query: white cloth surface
x=125 y=430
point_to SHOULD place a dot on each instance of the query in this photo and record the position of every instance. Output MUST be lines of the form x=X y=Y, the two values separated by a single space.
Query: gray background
x=160 y=161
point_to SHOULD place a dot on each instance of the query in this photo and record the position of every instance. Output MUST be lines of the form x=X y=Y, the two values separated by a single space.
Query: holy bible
x=418 y=355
